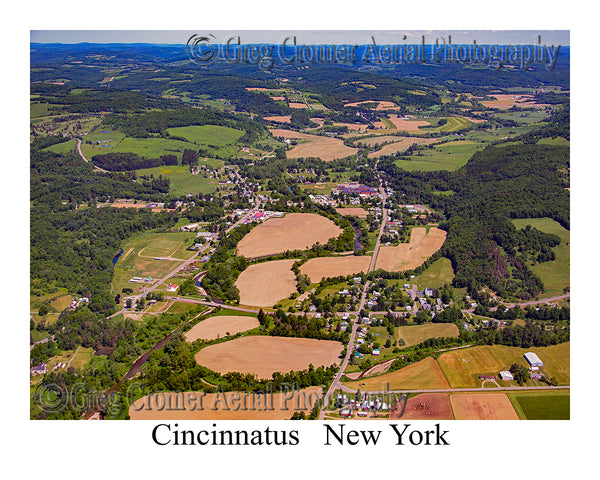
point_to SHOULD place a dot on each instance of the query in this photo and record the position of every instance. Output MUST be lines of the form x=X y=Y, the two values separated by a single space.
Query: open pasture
x=207 y=134
x=555 y=274
x=415 y=334
x=408 y=256
x=448 y=156
x=353 y=212
x=219 y=326
x=437 y=274
x=322 y=267
x=325 y=148
x=263 y=355
x=294 y=231
x=264 y=284
x=182 y=181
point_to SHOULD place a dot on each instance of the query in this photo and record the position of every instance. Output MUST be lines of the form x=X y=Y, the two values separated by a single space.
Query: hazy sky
x=548 y=37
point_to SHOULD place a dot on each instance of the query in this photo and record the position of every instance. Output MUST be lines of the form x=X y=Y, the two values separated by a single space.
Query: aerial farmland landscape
x=316 y=240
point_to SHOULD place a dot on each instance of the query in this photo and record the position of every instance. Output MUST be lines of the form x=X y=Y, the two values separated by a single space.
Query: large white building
x=533 y=359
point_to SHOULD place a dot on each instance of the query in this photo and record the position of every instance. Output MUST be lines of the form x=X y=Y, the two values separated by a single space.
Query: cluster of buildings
x=322 y=199
x=362 y=406
x=76 y=302
x=362 y=191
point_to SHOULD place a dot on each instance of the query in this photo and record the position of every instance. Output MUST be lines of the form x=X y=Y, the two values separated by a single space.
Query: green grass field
x=62 y=148
x=449 y=156
x=452 y=124
x=149 y=245
x=207 y=134
x=555 y=274
x=414 y=334
x=437 y=274
x=82 y=357
x=182 y=181
x=554 y=405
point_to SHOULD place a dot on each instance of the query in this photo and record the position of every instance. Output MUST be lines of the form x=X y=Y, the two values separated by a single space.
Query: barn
x=533 y=359
x=506 y=375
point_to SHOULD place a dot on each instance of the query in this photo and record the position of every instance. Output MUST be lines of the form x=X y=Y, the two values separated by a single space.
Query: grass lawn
x=207 y=134
x=555 y=274
x=437 y=274
x=553 y=405
x=448 y=156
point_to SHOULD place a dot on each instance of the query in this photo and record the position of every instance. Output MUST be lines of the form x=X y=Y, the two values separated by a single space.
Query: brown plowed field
x=426 y=406
x=353 y=212
x=264 y=284
x=223 y=406
x=217 y=327
x=322 y=267
x=295 y=231
x=482 y=406
x=262 y=355
x=409 y=125
x=408 y=256
x=279 y=118
x=325 y=148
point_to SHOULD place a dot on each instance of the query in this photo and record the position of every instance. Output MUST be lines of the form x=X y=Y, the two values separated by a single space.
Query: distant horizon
x=360 y=37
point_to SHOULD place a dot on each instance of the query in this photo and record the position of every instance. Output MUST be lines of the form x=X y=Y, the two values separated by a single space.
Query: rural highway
x=336 y=384
x=451 y=390
x=84 y=157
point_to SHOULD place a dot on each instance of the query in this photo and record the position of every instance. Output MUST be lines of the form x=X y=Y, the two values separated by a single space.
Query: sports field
x=294 y=231
x=408 y=256
x=263 y=356
x=264 y=284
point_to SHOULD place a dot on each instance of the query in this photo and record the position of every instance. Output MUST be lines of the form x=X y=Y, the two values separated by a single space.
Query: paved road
x=84 y=157
x=451 y=390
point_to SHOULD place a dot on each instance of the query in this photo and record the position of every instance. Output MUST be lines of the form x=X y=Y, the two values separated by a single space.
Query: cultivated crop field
x=263 y=356
x=400 y=146
x=551 y=405
x=426 y=406
x=408 y=256
x=462 y=367
x=224 y=406
x=220 y=326
x=295 y=231
x=325 y=148
x=353 y=212
x=264 y=284
x=322 y=267
x=425 y=374
x=482 y=406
